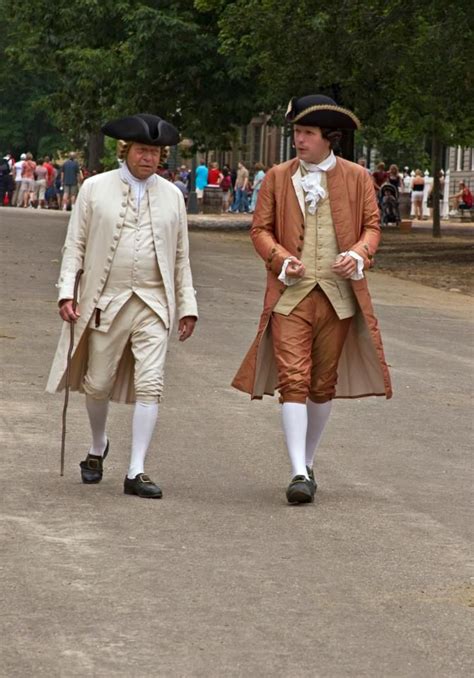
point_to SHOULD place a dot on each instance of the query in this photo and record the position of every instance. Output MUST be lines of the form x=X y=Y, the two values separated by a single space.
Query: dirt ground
x=445 y=263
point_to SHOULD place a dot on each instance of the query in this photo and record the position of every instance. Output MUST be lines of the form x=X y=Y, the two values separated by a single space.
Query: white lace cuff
x=285 y=278
x=358 y=273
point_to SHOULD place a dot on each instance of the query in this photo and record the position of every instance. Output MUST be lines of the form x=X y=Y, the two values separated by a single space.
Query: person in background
x=17 y=198
x=226 y=187
x=406 y=180
x=41 y=176
x=71 y=180
x=363 y=163
x=379 y=177
x=5 y=174
x=462 y=200
x=417 y=188
x=28 y=180
x=394 y=177
x=202 y=174
x=183 y=187
x=241 y=185
x=257 y=183
x=215 y=175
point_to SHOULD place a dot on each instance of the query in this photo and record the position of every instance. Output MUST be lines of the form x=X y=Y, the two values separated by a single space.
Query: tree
x=403 y=67
x=108 y=58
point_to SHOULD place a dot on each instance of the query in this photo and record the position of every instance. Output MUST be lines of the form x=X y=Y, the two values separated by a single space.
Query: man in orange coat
x=317 y=228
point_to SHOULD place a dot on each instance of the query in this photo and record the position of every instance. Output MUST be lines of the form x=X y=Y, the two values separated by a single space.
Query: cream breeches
x=137 y=323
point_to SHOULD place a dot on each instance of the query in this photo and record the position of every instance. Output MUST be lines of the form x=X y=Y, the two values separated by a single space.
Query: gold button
x=273 y=250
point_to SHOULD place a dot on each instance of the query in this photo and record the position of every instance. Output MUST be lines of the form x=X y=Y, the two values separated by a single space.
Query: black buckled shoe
x=91 y=467
x=311 y=477
x=142 y=486
x=300 y=491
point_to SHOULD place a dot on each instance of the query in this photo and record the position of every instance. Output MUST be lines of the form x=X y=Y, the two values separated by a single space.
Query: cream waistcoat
x=135 y=268
x=319 y=252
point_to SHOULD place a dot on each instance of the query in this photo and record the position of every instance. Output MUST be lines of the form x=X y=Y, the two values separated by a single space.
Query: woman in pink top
x=28 y=179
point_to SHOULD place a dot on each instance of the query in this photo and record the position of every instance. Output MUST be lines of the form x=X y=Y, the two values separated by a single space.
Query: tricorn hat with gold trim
x=142 y=128
x=317 y=110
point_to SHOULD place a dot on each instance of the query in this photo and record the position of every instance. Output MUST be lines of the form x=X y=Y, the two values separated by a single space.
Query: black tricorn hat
x=143 y=129
x=317 y=110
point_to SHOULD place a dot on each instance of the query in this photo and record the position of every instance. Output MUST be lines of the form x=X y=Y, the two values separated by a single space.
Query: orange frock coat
x=278 y=232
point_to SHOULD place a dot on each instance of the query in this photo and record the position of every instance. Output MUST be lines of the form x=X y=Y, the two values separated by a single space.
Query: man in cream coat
x=128 y=232
x=317 y=228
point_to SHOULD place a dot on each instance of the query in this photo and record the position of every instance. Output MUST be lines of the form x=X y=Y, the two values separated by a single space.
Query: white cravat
x=139 y=186
x=311 y=182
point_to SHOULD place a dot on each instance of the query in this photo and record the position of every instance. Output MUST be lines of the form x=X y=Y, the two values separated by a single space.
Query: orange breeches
x=307 y=346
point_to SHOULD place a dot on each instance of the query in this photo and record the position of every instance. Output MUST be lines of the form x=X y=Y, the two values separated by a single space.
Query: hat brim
x=325 y=115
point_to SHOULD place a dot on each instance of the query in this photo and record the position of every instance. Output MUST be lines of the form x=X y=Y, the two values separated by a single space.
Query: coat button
x=95 y=300
x=110 y=259
x=281 y=291
x=273 y=250
x=116 y=237
x=102 y=280
x=298 y=249
x=302 y=226
x=301 y=237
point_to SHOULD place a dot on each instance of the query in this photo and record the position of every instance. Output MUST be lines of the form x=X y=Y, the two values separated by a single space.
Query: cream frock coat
x=278 y=231
x=91 y=242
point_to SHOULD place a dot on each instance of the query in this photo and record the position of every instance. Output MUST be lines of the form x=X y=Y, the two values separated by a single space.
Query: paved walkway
x=221 y=578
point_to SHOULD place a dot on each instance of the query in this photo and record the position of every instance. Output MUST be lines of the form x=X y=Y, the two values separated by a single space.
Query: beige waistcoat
x=135 y=268
x=319 y=253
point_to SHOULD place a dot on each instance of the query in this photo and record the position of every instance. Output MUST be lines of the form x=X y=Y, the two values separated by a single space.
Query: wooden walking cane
x=68 y=368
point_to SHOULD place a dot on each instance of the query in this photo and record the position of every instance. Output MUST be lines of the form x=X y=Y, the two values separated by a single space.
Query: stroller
x=389 y=204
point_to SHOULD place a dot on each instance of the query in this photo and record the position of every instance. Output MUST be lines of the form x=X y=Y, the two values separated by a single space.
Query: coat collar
x=338 y=199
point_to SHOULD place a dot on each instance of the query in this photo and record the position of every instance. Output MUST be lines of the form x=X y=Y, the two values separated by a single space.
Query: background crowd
x=43 y=184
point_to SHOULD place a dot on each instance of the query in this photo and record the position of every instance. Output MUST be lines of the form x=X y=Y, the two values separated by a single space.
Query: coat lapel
x=296 y=181
x=339 y=201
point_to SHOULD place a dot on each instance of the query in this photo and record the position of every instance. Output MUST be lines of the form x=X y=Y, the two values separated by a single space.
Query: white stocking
x=295 y=422
x=318 y=415
x=144 y=422
x=97 y=411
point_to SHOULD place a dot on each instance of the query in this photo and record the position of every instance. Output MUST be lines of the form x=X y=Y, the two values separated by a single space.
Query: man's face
x=143 y=160
x=310 y=145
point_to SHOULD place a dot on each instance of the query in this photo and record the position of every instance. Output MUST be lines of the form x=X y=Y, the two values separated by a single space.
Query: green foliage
x=210 y=65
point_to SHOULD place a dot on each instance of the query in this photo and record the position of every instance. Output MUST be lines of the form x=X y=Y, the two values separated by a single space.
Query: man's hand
x=295 y=268
x=67 y=312
x=186 y=327
x=344 y=266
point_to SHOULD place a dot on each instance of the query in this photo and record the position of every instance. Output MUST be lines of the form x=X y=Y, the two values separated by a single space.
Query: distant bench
x=463 y=215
